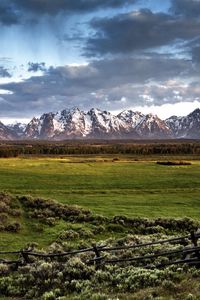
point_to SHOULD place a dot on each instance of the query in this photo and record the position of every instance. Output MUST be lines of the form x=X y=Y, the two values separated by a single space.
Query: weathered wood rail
x=188 y=255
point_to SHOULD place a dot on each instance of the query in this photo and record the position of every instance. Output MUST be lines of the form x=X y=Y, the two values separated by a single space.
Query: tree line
x=154 y=148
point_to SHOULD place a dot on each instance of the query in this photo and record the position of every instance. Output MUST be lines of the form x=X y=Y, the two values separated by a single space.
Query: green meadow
x=126 y=186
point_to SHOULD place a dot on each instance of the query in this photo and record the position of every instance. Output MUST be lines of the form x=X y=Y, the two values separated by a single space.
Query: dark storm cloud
x=53 y=7
x=34 y=67
x=103 y=83
x=8 y=15
x=72 y=80
x=189 y=8
x=139 y=30
x=196 y=54
x=21 y=11
x=4 y=72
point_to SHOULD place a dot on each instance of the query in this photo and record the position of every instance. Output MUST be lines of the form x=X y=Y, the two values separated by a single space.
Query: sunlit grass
x=133 y=188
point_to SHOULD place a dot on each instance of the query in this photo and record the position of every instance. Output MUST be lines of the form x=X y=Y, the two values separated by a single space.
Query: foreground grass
x=125 y=187
x=60 y=228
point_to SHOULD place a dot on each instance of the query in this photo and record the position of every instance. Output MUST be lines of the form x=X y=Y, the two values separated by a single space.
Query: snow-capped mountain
x=148 y=126
x=72 y=123
x=153 y=127
x=6 y=133
x=185 y=127
x=18 y=128
x=32 y=130
x=131 y=118
x=75 y=123
x=63 y=124
x=104 y=124
x=96 y=123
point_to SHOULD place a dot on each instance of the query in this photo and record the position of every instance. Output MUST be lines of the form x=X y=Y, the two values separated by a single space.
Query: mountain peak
x=186 y=127
x=196 y=112
x=74 y=109
x=96 y=123
x=152 y=126
x=95 y=110
x=6 y=133
x=151 y=116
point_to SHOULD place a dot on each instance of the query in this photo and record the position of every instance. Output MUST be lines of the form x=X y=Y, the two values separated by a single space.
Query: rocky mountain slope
x=6 y=133
x=75 y=123
x=18 y=128
x=185 y=127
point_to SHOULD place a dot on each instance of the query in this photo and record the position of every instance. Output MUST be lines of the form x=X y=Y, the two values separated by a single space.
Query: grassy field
x=125 y=187
x=130 y=186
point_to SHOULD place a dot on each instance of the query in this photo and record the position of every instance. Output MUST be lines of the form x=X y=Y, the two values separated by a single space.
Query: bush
x=4 y=269
x=49 y=296
x=99 y=296
x=190 y=297
x=169 y=285
x=69 y=235
x=44 y=209
x=3 y=218
x=173 y=163
x=115 y=228
x=14 y=227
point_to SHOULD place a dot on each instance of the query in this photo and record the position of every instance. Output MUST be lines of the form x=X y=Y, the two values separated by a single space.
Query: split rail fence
x=190 y=254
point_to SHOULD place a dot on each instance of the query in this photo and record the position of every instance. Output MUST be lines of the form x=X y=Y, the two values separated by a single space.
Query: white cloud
x=167 y=110
x=5 y=92
x=8 y=121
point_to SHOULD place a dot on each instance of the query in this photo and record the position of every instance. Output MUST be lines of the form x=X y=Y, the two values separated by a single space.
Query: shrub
x=115 y=228
x=14 y=227
x=173 y=163
x=43 y=209
x=4 y=208
x=50 y=221
x=4 y=269
x=15 y=212
x=3 y=218
x=190 y=297
x=85 y=233
x=169 y=285
x=49 y=296
x=69 y=235
x=115 y=159
x=99 y=296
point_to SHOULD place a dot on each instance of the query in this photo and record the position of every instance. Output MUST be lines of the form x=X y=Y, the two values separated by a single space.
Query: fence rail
x=166 y=253
x=98 y=260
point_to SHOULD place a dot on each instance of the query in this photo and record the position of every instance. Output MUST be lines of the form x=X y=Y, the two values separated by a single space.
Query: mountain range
x=77 y=124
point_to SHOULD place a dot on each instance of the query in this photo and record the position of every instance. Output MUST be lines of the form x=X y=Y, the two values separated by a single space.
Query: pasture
x=125 y=185
x=121 y=187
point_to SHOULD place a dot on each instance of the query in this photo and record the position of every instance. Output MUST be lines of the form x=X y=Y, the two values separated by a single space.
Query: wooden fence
x=188 y=255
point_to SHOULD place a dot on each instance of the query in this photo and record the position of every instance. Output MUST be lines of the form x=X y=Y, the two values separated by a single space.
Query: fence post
x=97 y=255
x=25 y=256
x=16 y=265
x=194 y=239
x=195 y=243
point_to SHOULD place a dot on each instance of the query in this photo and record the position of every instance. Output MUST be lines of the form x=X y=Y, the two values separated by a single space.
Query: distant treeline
x=153 y=148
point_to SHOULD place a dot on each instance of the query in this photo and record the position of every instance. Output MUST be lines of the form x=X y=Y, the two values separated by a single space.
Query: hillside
x=62 y=228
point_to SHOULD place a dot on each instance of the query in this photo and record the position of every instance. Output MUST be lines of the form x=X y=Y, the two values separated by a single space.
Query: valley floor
x=109 y=185
x=135 y=187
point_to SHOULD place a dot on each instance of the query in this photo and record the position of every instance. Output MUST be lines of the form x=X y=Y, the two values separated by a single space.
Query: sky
x=109 y=54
